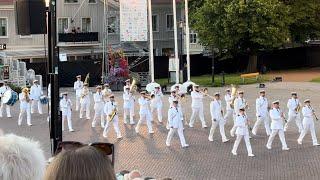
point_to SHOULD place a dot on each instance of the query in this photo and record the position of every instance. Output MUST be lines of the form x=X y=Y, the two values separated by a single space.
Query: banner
x=133 y=20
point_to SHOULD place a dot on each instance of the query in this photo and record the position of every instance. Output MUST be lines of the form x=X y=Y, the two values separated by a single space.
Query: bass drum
x=10 y=97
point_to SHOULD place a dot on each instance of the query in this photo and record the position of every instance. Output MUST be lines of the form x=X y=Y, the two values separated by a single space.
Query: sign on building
x=133 y=20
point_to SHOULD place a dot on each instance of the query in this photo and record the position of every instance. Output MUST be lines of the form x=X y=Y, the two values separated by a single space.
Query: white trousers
x=126 y=112
x=85 y=107
x=7 y=109
x=238 y=140
x=266 y=122
x=306 y=127
x=197 y=111
x=33 y=104
x=22 y=112
x=77 y=103
x=67 y=115
x=172 y=131
x=228 y=115
x=145 y=117
x=98 y=113
x=215 y=123
x=115 y=123
x=234 y=128
x=296 y=118
x=159 y=112
x=273 y=134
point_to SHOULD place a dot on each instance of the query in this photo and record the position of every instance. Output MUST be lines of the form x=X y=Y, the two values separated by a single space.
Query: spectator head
x=133 y=175
x=83 y=163
x=20 y=158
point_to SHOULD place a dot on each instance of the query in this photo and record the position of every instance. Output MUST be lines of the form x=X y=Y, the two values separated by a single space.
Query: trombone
x=205 y=93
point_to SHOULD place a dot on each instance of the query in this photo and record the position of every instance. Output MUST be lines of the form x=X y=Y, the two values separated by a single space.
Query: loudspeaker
x=30 y=17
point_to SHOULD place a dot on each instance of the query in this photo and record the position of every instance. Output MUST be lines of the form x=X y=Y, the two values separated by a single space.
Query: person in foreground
x=20 y=158
x=242 y=131
x=175 y=118
x=85 y=163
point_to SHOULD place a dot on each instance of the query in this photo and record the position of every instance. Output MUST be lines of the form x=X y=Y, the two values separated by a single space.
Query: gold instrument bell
x=234 y=90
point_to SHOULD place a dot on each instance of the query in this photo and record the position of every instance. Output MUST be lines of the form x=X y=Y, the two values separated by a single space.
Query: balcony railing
x=79 y=37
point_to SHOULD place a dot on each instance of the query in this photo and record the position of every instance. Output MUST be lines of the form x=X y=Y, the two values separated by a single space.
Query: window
x=3 y=27
x=71 y=1
x=169 y=22
x=193 y=37
x=167 y=51
x=86 y=25
x=25 y=36
x=112 y=24
x=155 y=23
x=63 y=25
x=155 y=52
x=92 y=1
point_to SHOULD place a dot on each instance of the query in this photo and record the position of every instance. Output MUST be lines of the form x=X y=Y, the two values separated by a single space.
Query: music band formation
x=150 y=102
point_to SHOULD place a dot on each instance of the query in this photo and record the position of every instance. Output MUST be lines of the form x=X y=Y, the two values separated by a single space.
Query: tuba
x=234 y=90
x=87 y=79
x=85 y=92
x=133 y=87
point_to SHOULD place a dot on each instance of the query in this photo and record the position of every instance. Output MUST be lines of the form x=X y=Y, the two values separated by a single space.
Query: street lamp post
x=181 y=65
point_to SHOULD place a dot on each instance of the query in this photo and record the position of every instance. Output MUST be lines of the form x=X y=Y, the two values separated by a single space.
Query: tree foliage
x=242 y=26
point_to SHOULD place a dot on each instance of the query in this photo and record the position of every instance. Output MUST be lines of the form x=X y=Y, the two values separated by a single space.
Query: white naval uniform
x=262 y=115
x=132 y=100
x=98 y=109
x=229 y=111
x=85 y=103
x=293 y=115
x=276 y=128
x=175 y=118
x=25 y=107
x=197 y=108
x=128 y=107
x=78 y=85
x=156 y=103
x=239 y=103
x=66 y=108
x=3 y=89
x=35 y=93
x=108 y=109
x=308 y=124
x=217 y=119
x=145 y=114
x=242 y=132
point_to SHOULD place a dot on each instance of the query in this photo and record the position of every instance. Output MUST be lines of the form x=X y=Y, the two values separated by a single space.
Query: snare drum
x=44 y=100
x=10 y=97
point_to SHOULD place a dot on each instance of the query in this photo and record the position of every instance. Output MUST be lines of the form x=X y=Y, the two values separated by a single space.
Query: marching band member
x=156 y=102
x=78 y=85
x=25 y=106
x=128 y=98
x=106 y=92
x=3 y=89
x=144 y=113
x=294 y=107
x=98 y=107
x=171 y=98
x=49 y=102
x=229 y=111
x=175 y=122
x=217 y=118
x=35 y=93
x=262 y=108
x=111 y=111
x=85 y=101
x=66 y=108
x=277 y=117
x=239 y=103
x=128 y=84
x=308 y=124
x=197 y=106
x=242 y=131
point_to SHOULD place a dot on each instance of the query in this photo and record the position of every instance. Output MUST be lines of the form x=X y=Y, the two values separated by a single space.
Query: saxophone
x=113 y=113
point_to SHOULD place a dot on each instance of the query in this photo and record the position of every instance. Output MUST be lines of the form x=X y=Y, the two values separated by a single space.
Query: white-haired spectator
x=133 y=175
x=20 y=158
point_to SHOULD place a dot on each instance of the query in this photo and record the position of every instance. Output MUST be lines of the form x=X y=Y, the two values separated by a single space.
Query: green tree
x=242 y=26
x=305 y=15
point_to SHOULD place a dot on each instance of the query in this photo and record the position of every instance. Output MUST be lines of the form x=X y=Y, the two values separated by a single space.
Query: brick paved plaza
x=203 y=159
